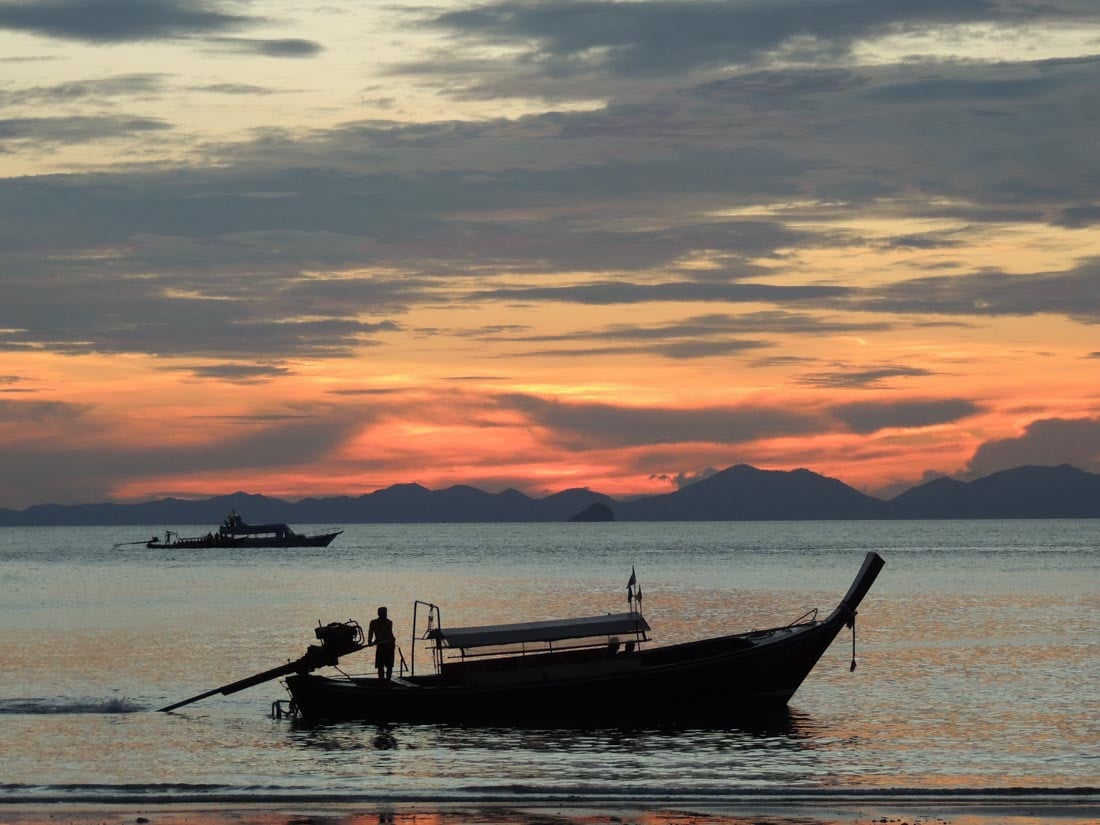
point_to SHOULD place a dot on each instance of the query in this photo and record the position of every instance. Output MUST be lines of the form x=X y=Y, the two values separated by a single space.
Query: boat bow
x=866 y=576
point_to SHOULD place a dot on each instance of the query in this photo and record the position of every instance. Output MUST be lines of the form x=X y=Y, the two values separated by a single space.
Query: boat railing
x=612 y=645
x=809 y=617
x=435 y=620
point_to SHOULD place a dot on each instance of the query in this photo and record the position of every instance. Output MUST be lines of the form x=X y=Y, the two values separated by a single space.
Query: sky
x=309 y=249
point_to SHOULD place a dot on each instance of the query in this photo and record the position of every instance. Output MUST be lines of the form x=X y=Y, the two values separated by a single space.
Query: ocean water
x=978 y=651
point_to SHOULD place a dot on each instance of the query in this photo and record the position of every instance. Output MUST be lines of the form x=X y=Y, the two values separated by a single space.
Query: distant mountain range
x=738 y=493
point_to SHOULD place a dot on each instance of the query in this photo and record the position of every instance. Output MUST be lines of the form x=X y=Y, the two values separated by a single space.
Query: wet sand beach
x=1068 y=808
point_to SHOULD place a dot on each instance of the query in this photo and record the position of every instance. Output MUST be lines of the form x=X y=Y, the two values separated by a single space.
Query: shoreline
x=1019 y=806
x=837 y=810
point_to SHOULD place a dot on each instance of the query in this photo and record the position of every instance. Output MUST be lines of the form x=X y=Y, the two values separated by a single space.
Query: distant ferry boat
x=234 y=532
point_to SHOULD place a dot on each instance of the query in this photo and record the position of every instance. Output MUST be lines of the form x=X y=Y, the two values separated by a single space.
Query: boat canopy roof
x=252 y=529
x=234 y=525
x=551 y=631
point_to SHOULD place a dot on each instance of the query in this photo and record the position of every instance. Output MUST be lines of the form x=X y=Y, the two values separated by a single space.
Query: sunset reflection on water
x=972 y=671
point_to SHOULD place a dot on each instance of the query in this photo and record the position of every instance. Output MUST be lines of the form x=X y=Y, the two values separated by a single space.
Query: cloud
x=782 y=361
x=283 y=47
x=39 y=412
x=589 y=425
x=237 y=373
x=1048 y=441
x=945 y=89
x=1079 y=217
x=680 y=350
x=75 y=129
x=1073 y=293
x=92 y=89
x=163 y=318
x=685 y=479
x=662 y=36
x=368 y=391
x=112 y=21
x=871 y=416
x=369 y=218
x=625 y=292
x=698 y=336
x=850 y=379
x=60 y=471
x=716 y=324
x=237 y=89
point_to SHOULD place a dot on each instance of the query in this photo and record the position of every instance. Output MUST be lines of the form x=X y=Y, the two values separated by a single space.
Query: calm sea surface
x=978 y=648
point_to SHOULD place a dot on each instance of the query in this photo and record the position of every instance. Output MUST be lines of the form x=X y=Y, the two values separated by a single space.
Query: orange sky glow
x=494 y=249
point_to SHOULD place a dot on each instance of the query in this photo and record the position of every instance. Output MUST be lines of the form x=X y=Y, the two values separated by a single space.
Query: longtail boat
x=589 y=669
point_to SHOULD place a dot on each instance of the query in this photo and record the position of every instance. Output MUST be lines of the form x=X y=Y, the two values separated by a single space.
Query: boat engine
x=337 y=639
x=340 y=637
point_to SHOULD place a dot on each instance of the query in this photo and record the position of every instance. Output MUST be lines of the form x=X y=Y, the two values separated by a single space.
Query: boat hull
x=712 y=680
x=217 y=541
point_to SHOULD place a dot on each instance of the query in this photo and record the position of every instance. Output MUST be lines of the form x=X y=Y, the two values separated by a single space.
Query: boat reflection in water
x=660 y=761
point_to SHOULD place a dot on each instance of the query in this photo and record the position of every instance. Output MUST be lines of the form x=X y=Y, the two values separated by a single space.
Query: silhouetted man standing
x=380 y=633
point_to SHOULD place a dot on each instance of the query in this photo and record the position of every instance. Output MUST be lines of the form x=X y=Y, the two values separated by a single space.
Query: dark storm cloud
x=75 y=129
x=871 y=416
x=609 y=425
x=1047 y=441
x=848 y=379
x=106 y=21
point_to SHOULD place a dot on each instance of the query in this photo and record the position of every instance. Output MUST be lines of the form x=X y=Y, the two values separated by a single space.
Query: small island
x=596 y=511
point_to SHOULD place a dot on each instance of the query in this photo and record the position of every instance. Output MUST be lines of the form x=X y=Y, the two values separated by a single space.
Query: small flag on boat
x=633 y=579
x=630 y=588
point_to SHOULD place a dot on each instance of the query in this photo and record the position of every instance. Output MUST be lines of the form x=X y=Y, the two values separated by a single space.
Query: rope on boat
x=852 y=624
